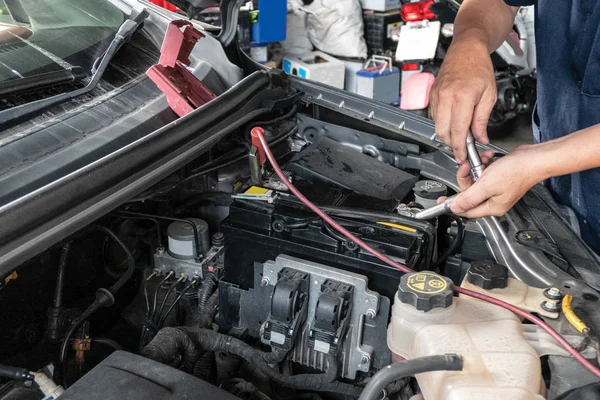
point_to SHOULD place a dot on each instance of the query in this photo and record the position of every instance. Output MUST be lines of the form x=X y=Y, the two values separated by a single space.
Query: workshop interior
x=204 y=200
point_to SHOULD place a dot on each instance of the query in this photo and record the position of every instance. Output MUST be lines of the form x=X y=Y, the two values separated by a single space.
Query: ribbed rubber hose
x=171 y=342
x=446 y=362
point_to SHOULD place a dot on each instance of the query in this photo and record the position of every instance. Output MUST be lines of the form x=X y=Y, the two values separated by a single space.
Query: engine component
x=499 y=362
x=488 y=275
x=259 y=231
x=288 y=308
x=511 y=99
x=126 y=375
x=490 y=278
x=333 y=163
x=425 y=291
x=183 y=239
x=427 y=192
x=181 y=257
x=339 y=315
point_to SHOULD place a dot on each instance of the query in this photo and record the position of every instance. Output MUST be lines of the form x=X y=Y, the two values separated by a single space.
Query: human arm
x=464 y=93
x=506 y=180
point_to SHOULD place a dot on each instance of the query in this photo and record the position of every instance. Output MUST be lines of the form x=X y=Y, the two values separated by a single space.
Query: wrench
x=476 y=171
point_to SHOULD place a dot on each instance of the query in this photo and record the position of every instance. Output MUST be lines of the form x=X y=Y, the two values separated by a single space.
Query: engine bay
x=219 y=280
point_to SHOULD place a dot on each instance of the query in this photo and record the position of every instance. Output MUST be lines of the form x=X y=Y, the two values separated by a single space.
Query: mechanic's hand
x=501 y=185
x=463 y=96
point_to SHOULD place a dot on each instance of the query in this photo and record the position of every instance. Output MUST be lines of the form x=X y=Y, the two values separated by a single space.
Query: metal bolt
x=553 y=293
x=371 y=313
x=550 y=305
x=264 y=282
x=161 y=250
x=365 y=359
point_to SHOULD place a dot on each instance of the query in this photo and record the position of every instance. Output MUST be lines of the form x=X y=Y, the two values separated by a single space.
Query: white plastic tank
x=499 y=363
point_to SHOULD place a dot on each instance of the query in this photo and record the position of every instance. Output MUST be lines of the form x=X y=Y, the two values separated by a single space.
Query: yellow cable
x=571 y=316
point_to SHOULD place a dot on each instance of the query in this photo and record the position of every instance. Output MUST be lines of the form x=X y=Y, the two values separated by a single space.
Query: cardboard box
x=316 y=66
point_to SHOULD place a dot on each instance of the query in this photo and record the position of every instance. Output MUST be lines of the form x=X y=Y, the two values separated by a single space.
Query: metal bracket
x=365 y=305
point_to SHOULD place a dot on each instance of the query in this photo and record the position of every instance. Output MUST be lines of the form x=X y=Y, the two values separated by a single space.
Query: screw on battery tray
x=371 y=313
x=264 y=282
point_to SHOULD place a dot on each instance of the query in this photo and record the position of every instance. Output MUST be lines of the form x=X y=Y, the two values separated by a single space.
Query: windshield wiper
x=124 y=33
x=71 y=75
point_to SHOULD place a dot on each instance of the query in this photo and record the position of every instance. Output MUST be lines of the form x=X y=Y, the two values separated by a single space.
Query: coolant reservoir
x=427 y=320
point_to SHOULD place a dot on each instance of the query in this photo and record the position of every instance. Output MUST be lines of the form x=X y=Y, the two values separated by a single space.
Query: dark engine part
x=182 y=258
x=315 y=310
x=512 y=99
x=128 y=376
x=334 y=163
x=258 y=231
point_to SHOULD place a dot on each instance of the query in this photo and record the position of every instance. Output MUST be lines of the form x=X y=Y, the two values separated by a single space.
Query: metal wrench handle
x=474 y=158
x=476 y=171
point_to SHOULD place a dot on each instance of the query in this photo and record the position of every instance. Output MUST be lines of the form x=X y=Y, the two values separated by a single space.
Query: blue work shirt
x=567 y=36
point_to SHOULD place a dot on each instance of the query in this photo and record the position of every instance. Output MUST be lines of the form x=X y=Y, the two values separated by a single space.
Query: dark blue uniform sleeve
x=520 y=3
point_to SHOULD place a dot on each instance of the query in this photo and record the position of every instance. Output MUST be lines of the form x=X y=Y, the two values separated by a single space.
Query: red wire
x=562 y=341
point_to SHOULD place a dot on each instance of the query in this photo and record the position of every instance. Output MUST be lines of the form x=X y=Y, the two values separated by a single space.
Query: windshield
x=45 y=36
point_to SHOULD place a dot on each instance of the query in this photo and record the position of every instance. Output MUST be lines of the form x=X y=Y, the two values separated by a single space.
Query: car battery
x=257 y=231
x=352 y=67
x=379 y=80
x=380 y=5
x=316 y=66
x=382 y=30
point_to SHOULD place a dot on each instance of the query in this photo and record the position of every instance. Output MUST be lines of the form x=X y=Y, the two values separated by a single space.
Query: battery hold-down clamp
x=184 y=91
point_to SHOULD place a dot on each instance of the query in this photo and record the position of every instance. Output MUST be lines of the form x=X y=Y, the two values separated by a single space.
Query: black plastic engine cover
x=330 y=162
x=128 y=376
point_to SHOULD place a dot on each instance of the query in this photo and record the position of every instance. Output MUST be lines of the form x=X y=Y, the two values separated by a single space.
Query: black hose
x=205 y=367
x=104 y=297
x=243 y=389
x=460 y=234
x=207 y=288
x=107 y=342
x=60 y=277
x=130 y=260
x=20 y=374
x=210 y=311
x=164 y=350
x=170 y=343
x=446 y=362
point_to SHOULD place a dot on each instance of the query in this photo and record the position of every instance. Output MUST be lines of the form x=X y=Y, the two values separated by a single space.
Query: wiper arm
x=124 y=33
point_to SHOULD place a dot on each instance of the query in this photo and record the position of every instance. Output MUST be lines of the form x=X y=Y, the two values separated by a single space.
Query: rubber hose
x=446 y=362
x=20 y=374
x=170 y=343
x=60 y=277
x=130 y=260
x=209 y=340
x=460 y=233
x=209 y=311
x=205 y=367
x=209 y=285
